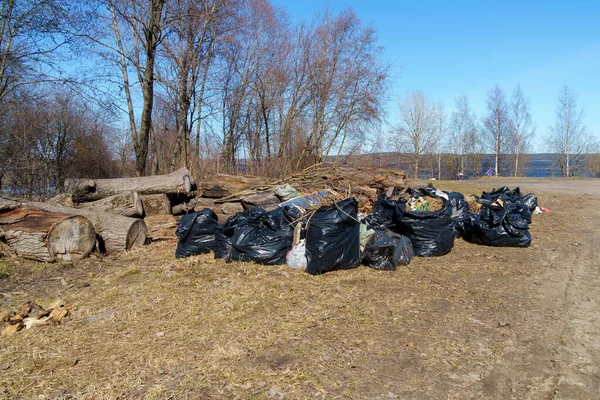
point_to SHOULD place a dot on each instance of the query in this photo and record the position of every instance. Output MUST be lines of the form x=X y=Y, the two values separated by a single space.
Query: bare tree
x=32 y=35
x=569 y=138
x=416 y=131
x=187 y=55
x=522 y=128
x=440 y=136
x=463 y=122
x=127 y=34
x=498 y=124
x=347 y=82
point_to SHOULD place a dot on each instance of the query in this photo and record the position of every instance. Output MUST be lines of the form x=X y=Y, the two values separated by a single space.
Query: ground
x=480 y=322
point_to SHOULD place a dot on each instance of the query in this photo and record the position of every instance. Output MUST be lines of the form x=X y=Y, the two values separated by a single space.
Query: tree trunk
x=162 y=227
x=116 y=232
x=152 y=34
x=125 y=204
x=41 y=235
x=176 y=182
x=156 y=204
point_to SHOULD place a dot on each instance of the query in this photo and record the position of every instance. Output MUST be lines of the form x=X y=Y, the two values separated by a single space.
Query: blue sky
x=448 y=48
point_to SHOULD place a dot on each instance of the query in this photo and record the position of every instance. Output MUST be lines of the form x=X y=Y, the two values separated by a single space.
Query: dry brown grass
x=155 y=327
x=473 y=205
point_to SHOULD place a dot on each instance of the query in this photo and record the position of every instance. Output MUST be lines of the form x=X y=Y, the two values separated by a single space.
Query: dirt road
x=480 y=322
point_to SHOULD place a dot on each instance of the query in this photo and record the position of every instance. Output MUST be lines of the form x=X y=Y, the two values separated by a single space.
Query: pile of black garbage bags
x=336 y=237
x=503 y=220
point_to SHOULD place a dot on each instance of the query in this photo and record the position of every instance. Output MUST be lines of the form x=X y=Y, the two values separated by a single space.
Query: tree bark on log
x=116 y=232
x=176 y=182
x=267 y=200
x=63 y=199
x=215 y=192
x=156 y=204
x=42 y=235
x=79 y=187
x=184 y=208
x=125 y=204
x=7 y=205
x=228 y=208
x=162 y=227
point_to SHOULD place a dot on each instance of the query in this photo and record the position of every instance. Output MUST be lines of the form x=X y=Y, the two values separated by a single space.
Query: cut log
x=267 y=200
x=7 y=205
x=42 y=235
x=79 y=187
x=156 y=204
x=184 y=208
x=228 y=208
x=63 y=199
x=176 y=182
x=125 y=204
x=162 y=227
x=232 y=183
x=203 y=203
x=215 y=192
x=116 y=232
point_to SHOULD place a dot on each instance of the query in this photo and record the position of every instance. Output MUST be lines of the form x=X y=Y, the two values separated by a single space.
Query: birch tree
x=569 y=138
x=464 y=134
x=416 y=131
x=440 y=136
x=497 y=124
x=522 y=128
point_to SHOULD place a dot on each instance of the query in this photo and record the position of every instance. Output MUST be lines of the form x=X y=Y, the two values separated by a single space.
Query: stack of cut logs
x=114 y=215
x=109 y=215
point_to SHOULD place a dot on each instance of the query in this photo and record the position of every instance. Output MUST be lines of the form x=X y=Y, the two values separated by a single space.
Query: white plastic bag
x=296 y=257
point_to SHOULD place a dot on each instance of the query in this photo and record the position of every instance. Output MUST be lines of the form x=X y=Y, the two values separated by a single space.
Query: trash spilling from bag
x=501 y=223
x=506 y=194
x=196 y=233
x=323 y=231
x=431 y=232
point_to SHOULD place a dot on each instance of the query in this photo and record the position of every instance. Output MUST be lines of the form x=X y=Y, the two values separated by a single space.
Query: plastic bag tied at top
x=263 y=237
x=196 y=233
x=333 y=238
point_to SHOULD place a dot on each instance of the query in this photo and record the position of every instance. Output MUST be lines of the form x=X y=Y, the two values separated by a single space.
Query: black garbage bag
x=504 y=193
x=224 y=234
x=459 y=206
x=263 y=237
x=333 y=238
x=196 y=233
x=502 y=226
x=431 y=232
x=460 y=212
x=382 y=213
x=530 y=200
x=386 y=250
